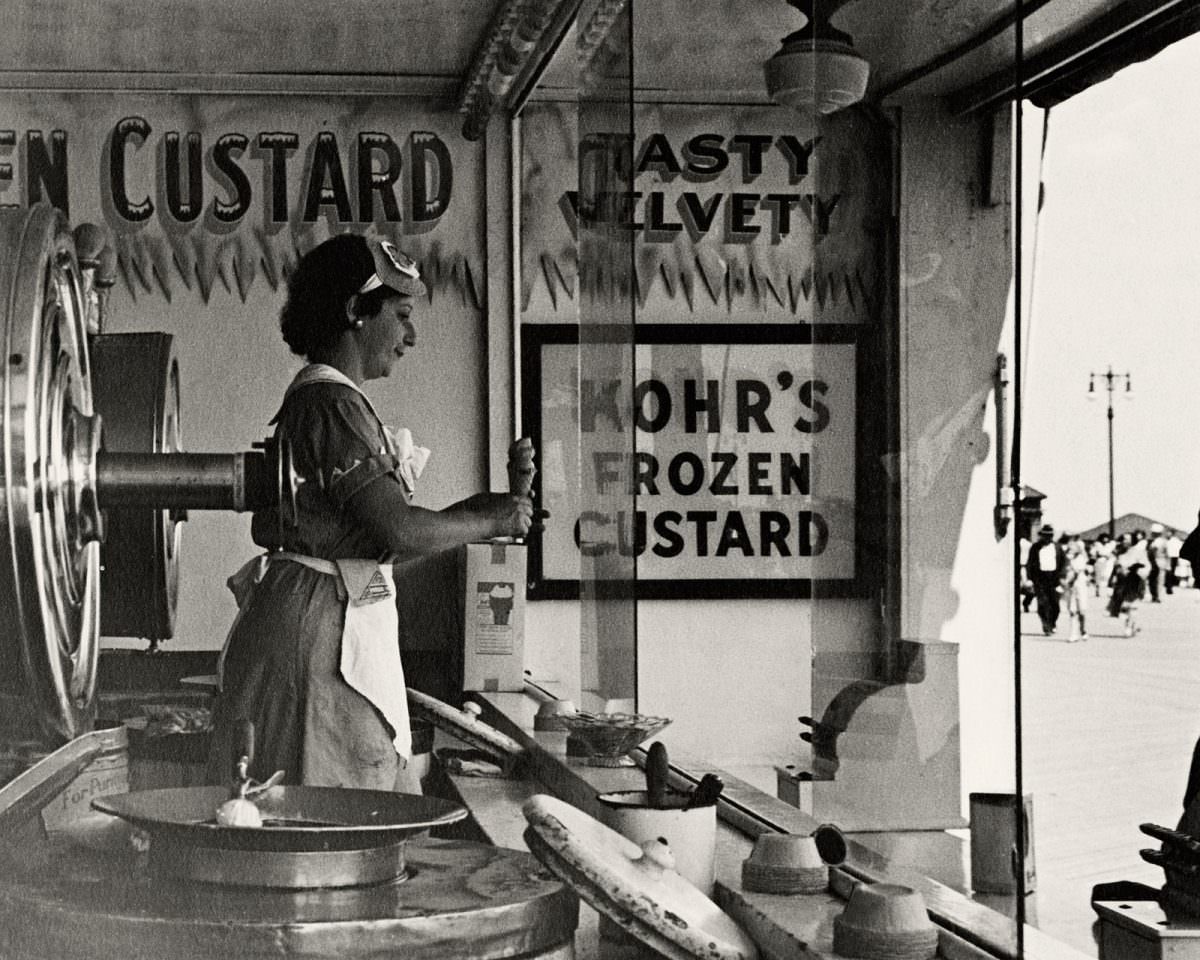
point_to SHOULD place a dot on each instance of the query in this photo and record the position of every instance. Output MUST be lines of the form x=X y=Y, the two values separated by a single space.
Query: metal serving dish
x=311 y=836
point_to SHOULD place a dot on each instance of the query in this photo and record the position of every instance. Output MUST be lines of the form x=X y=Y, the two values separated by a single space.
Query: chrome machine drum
x=50 y=521
x=135 y=379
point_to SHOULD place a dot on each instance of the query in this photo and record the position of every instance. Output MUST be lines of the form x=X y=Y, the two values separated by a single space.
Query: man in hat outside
x=1047 y=569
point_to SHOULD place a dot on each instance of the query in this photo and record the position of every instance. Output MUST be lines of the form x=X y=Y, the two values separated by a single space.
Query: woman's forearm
x=407 y=530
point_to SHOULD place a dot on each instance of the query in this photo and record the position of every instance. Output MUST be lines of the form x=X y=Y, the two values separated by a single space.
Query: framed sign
x=720 y=460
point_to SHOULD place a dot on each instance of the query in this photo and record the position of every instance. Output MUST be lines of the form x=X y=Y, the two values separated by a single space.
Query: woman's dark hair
x=314 y=315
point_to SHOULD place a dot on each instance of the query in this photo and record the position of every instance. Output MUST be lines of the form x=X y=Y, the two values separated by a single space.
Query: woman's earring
x=356 y=321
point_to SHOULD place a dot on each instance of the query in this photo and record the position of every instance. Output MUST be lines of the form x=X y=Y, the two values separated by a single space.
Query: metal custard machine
x=91 y=864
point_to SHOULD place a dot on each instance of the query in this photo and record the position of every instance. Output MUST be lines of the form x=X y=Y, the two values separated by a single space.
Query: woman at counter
x=312 y=657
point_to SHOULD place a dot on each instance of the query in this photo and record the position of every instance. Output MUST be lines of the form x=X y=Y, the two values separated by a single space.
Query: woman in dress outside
x=1077 y=589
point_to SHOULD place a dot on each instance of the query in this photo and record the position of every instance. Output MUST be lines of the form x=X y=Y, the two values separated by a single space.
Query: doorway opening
x=1109 y=722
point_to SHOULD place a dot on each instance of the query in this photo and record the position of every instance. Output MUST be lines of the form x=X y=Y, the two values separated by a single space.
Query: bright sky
x=1117 y=282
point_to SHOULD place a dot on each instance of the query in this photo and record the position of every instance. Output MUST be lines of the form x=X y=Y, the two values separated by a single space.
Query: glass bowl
x=607 y=737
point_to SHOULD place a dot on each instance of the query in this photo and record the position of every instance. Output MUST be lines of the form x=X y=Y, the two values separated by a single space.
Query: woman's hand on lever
x=409 y=530
x=509 y=514
x=521 y=470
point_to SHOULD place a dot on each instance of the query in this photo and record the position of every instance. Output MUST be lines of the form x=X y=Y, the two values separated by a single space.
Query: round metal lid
x=635 y=888
x=306 y=818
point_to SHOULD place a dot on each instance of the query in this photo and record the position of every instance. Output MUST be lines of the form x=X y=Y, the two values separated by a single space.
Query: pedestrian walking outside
x=1047 y=568
x=1027 y=595
x=1102 y=573
x=1190 y=551
x=1078 y=566
x=1132 y=566
x=1120 y=546
x=1173 y=567
x=1160 y=565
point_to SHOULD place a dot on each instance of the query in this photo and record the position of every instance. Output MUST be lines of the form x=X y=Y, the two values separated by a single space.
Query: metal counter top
x=794 y=927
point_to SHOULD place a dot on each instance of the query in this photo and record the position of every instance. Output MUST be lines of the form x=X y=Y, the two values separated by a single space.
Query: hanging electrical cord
x=1019 y=847
x=1033 y=255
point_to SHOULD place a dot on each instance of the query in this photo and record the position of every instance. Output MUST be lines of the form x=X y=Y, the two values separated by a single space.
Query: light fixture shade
x=821 y=75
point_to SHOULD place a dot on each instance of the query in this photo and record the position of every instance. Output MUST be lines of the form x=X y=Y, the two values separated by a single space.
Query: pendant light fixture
x=817 y=68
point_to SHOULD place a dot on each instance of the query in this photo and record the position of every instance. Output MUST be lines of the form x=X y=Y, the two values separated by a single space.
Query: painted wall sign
x=733 y=211
x=721 y=462
x=230 y=188
x=740 y=216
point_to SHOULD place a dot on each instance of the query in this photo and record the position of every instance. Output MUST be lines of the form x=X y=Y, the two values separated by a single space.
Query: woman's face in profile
x=386 y=337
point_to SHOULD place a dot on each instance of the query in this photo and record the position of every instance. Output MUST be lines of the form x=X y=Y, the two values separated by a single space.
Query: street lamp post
x=1110 y=383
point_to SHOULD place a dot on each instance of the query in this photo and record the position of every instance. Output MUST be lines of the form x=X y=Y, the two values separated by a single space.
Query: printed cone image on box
x=494 y=617
x=499 y=601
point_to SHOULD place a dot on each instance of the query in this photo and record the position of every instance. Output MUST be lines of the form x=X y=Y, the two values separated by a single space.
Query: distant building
x=1127 y=523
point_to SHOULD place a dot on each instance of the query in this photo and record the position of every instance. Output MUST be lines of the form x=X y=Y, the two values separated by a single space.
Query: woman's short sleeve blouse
x=338 y=448
x=336 y=439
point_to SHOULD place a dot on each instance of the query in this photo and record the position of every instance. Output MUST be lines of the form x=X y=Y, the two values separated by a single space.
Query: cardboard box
x=448 y=605
x=494 y=617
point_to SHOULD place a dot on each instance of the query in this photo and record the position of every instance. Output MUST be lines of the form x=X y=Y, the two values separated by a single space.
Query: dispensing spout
x=244 y=786
x=241 y=775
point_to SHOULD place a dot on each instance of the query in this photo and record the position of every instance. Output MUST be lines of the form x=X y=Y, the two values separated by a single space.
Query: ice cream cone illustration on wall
x=500 y=599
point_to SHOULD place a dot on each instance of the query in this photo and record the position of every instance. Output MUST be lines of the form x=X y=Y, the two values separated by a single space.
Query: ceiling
x=950 y=48
x=694 y=49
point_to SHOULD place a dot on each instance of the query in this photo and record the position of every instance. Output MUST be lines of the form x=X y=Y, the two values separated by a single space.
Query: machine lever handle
x=657 y=773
